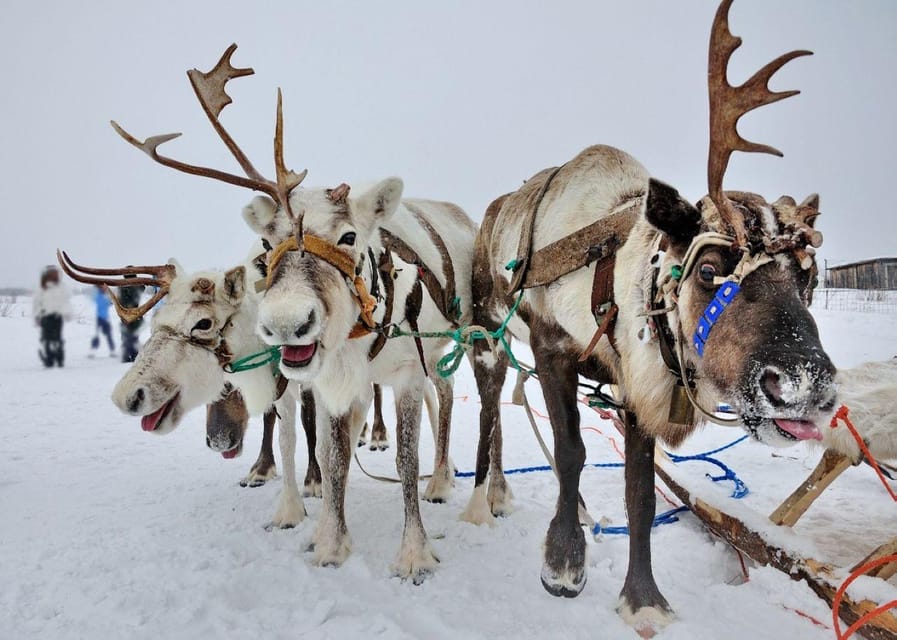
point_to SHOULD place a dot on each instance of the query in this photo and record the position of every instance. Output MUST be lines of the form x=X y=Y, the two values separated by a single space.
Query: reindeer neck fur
x=646 y=381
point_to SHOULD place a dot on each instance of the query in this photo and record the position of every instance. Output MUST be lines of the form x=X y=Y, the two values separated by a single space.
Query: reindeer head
x=739 y=273
x=178 y=368
x=315 y=294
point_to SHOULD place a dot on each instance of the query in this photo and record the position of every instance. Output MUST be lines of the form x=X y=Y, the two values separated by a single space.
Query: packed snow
x=110 y=532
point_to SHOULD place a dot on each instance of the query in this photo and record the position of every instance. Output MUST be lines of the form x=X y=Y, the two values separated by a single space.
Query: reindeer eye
x=348 y=238
x=266 y=245
x=203 y=325
x=707 y=272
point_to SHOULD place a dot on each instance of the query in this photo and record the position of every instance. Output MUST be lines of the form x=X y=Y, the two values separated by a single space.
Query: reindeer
x=385 y=250
x=208 y=319
x=703 y=304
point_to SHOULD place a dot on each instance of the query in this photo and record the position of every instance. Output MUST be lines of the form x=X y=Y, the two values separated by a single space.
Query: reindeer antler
x=159 y=276
x=210 y=91
x=728 y=104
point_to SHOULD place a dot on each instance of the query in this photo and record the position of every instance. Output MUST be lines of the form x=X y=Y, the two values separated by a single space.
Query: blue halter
x=721 y=299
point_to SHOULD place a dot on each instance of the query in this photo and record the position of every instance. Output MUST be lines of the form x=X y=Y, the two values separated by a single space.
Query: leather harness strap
x=412 y=311
x=448 y=267
x=525 y=247
x=385 y=267
x=438 y=294
x=282 y=383
x=597 y=241
x=603 y=308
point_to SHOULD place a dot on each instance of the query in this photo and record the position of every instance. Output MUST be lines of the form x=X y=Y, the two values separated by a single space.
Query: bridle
x=343 y=261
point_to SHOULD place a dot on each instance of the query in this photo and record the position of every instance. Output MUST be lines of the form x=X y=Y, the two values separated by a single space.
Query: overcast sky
x=463 y=100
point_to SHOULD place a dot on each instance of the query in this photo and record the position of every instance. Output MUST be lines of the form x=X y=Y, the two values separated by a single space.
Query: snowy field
x=110 y=532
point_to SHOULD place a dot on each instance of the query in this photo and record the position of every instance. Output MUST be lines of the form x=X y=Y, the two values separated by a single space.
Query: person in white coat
x=50 y=308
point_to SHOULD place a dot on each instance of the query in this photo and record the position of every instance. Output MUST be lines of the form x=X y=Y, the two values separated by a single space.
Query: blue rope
x=740 y=490
x=667 y=517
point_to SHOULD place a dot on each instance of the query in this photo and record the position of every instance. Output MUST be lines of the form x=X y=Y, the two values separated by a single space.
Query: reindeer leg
x=331 y=542
x=290 y=508
x=641 y=604
x=379 y=437
x=264 y=468
x=489 y=369
x=312 y=484
x=564 y=554
x=441 y=482
x=416 y=559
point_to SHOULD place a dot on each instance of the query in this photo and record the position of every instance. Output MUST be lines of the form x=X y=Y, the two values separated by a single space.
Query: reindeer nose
x=809 y=382
x=135 y=400
x=304 y=327
x=208 y=442
x=770 y=383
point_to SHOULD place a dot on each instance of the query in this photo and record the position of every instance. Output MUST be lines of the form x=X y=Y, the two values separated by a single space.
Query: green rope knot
x=513 y=264
x=254 y=361
x=676 y=271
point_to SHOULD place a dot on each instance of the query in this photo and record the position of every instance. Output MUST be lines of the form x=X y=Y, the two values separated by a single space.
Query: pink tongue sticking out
x=800 y=429
x=299 y=353
x=151 y=422
x=231 y=453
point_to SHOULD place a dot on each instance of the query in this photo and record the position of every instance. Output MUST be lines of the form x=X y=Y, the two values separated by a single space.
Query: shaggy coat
x=763 y=356
x=309 y=310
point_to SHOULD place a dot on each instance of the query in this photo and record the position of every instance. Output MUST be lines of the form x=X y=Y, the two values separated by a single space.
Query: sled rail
x=822 y=578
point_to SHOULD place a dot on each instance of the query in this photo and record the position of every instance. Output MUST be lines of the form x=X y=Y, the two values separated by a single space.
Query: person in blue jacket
x=102 y=302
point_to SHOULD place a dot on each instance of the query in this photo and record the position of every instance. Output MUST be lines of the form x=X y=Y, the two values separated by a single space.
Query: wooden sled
x=767 y=544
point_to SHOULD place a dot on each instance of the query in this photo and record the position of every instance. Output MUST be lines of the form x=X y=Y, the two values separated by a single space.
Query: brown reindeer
x=680 y=306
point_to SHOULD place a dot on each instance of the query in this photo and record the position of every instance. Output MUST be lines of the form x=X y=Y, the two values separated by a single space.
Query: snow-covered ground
x=108 y=532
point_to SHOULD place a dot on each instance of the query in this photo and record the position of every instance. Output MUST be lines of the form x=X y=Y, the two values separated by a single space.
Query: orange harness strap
x=344 y=262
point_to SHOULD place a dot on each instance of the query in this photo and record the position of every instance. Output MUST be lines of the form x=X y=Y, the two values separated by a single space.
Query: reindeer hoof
x=246 y=482
x=271 y=526
x=647 y=621
x=563 y=586
x=311 y=490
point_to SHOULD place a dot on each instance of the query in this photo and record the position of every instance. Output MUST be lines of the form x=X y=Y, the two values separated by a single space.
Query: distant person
x=129 y=297
x=102 y=304
x=50 y=308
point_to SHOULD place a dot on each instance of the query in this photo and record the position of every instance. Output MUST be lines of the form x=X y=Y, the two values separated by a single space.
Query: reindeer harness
x=443 y=297
x=597 y=242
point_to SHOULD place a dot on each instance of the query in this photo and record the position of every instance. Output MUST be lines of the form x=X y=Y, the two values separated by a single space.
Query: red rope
x=839 y=595
x=841 y=414
x=807 y=616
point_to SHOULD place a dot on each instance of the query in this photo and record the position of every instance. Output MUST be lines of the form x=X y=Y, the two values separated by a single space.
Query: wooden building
x=878 y=273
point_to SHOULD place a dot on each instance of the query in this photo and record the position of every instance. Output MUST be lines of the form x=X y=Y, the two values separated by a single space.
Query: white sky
x=462 y=99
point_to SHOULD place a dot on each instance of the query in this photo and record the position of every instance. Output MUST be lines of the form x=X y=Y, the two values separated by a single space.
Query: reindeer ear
x=672 y=214
x=259 y=213
x=380 y=202
x=178 y=269
x=235 y=285
x=808 y=210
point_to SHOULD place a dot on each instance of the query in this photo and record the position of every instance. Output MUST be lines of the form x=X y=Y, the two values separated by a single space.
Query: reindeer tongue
x=151 y=422
x=800 y=429
x=230 y=453
x=299 y=353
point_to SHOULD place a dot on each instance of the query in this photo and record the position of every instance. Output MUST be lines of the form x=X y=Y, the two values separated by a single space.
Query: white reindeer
x=869 y=391
x=310 y=311
x=684 y=334
x=208 y=320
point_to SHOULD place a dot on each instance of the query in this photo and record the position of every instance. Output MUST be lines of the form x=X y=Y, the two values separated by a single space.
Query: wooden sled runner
x=777 y=546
